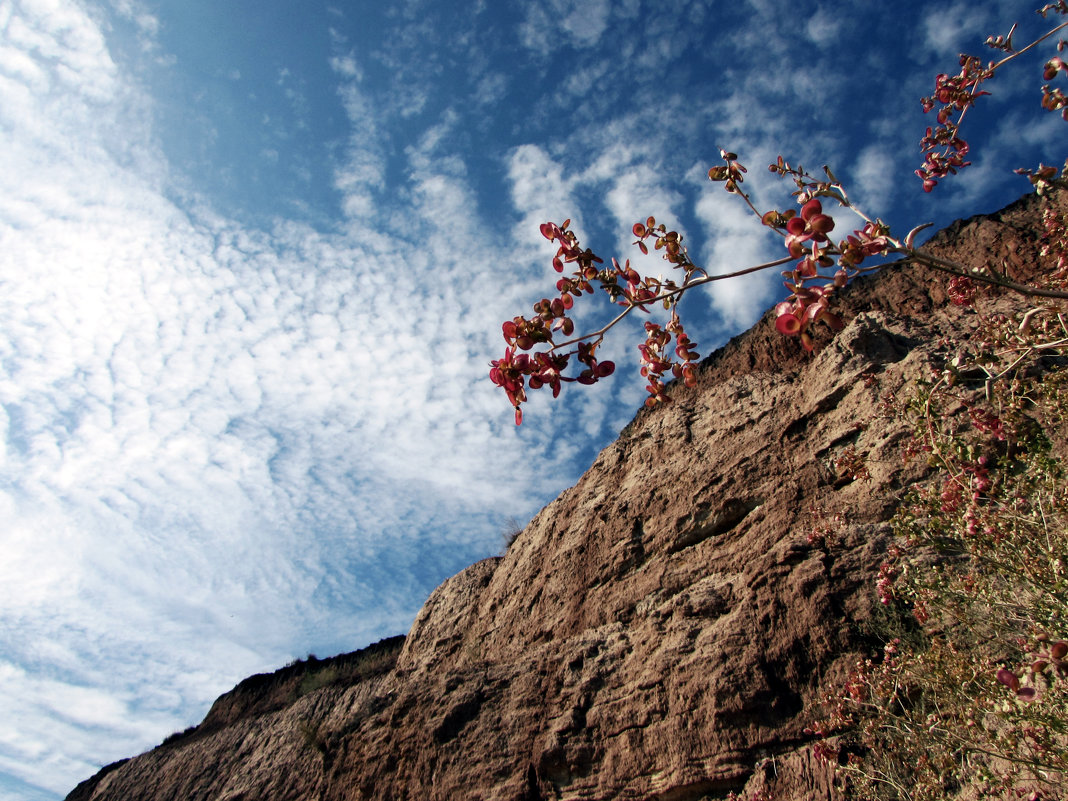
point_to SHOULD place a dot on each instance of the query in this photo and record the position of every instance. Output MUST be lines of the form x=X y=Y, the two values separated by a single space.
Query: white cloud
x=876 y=176
x=575 y=22
x=734 y=243
x=205 y=425
x=346 y=67
x=362 y=172
x=823 y=27
x=962 y=26
x=541 y=191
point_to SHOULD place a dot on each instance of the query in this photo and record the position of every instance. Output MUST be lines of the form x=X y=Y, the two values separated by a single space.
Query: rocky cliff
x=661 y=630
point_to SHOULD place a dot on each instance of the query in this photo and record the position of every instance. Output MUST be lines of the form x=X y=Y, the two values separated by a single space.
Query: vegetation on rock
x=970 y=690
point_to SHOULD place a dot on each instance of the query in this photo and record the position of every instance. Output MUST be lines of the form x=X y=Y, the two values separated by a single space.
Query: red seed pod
x=788 y=324
x=1008 y=678
x=1027 y=694
x=604 y=369
x=821 y=223
x=811 y=209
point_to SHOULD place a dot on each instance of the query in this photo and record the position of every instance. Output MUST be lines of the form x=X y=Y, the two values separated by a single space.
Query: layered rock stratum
x=663 y=629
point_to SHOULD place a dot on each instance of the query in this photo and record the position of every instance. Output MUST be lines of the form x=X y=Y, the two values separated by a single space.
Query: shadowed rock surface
x=659 y=631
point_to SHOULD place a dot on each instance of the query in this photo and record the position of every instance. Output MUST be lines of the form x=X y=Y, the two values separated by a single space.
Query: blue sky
x=254 y=257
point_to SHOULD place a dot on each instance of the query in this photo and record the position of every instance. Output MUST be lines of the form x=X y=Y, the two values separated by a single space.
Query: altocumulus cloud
x=219 y=443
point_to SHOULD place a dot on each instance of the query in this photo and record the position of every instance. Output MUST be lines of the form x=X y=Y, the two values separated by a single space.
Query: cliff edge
x=659 y=631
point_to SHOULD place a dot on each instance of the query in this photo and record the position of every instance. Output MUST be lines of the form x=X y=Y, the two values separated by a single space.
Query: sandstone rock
x=662 y=629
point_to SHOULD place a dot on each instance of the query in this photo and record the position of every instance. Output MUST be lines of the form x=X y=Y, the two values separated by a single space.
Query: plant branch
x=705 y=279
x=953 y=268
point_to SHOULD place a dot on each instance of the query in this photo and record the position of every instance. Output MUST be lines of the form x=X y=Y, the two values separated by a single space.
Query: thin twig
x=705 y=279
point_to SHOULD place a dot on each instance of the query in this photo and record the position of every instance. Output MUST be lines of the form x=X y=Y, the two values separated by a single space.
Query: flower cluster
x=518 y=371
x=825 y=527
x=1053 y=99
x=820 y=265
x=869 y=240
x=806 y=237
x=850 y=466
x=542 y=369
x=944 y=151
x=656 y=362
x=1047 y=665
x=884 y=584
x=731 y=172
x=570 y=251
x=962 y=290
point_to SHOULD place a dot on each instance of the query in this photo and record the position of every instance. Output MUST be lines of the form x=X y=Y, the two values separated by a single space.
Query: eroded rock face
x=662 y=629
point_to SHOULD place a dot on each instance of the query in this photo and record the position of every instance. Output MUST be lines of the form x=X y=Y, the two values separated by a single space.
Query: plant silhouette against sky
x=820 y=265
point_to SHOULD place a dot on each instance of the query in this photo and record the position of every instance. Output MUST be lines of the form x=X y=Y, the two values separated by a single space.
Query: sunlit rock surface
x=661 y=630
